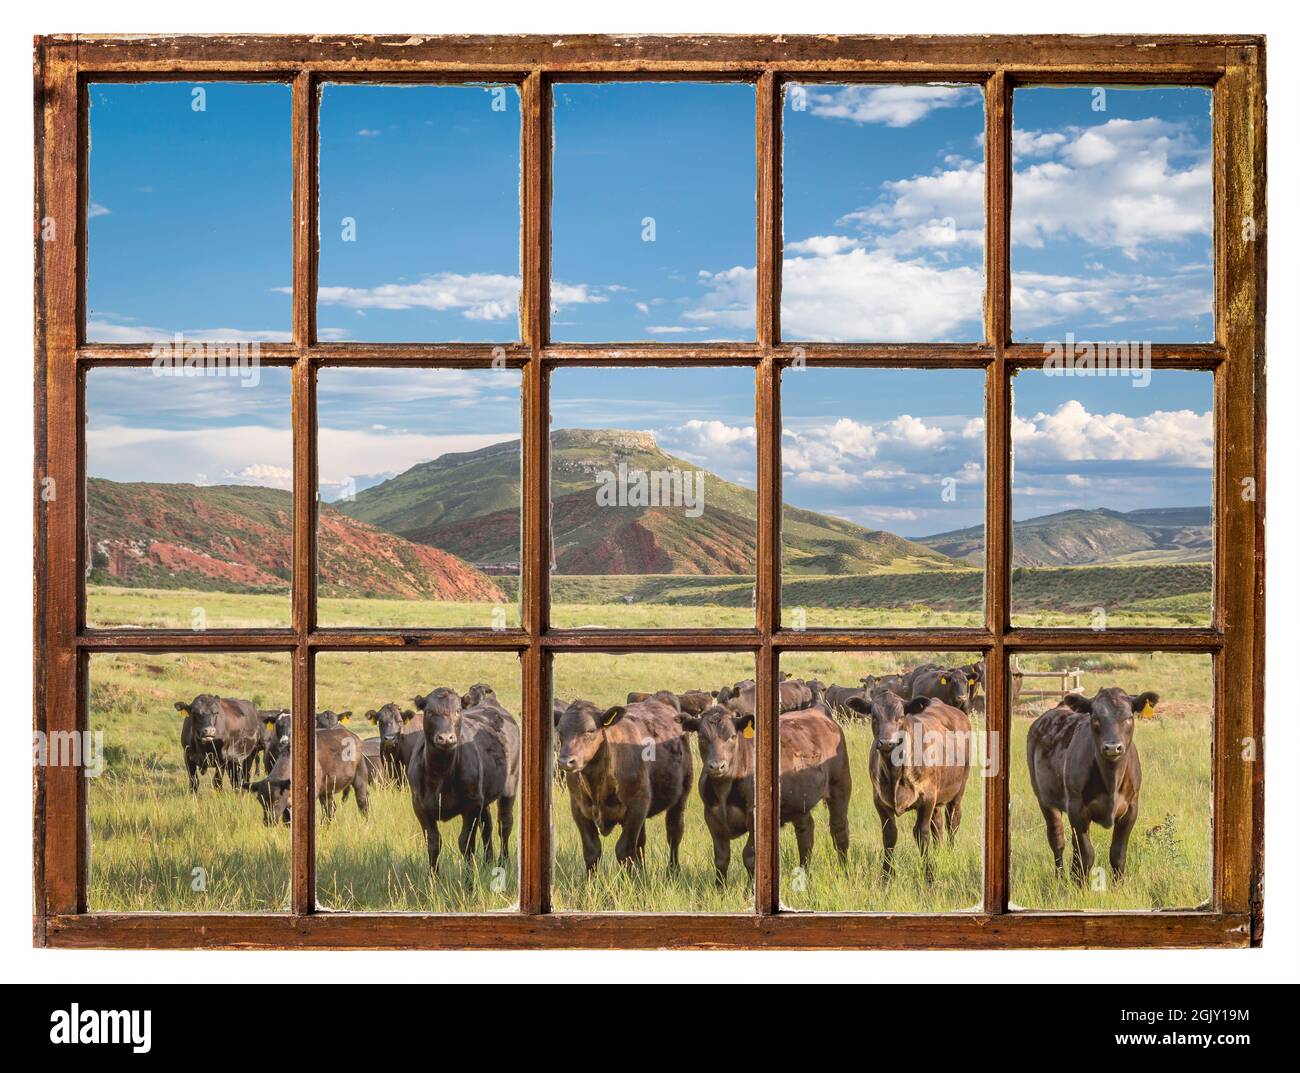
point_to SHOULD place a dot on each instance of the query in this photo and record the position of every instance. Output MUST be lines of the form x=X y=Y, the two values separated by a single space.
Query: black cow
x=465 y=760
x=399 y=733
x=946 y=684
x=1084 y=762
x=277 y=727
x=340 y=766
x=221 y=734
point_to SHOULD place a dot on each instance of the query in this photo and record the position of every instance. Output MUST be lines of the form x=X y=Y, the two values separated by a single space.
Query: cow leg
x=838 y=804
x=1084 y=855
x=361 y=787
x=922 y=832
x=747 y=855
x=485 y=830
x=803 y=838
x=721 y=847
x=469 y=826
x=889 y=839
x=505 y=824
x=326 y=806
x=954 y=819
x=589 y=835
x=1119 y=840
x=193 y=769
x=1055 y=836
x=630 y=847
x=675 y=824
x=433 y=839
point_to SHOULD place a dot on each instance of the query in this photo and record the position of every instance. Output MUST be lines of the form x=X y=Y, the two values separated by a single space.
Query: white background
x=1277 y=961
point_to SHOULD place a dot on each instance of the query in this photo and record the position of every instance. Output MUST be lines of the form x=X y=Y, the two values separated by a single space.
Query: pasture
x=156 y=847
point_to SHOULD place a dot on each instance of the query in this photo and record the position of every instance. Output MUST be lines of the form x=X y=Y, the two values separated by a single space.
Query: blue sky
x=653 y=213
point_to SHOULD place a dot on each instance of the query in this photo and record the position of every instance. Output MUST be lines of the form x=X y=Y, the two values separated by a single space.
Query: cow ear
x=713 y=693
x=1144 y=704
x=859 y=704
x=419 y=701
x=1077 y=703
x=181 y=706
x=344 y=716
x=613 y=715
x=372 y=715
x=280 y=784
x=407 y=715
x=689 y=723
x=916 y=704
x=270 y=723
x=744 y=725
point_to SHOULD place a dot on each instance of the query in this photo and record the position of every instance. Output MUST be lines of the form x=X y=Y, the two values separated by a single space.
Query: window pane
x=420 y=492
x=419 y=213
x=883 y=213
x=905 y=740
x=189 y=504
x=883 y=481
x=1112 y=214
x=406 y=763
x=653 y=213
x=652 y=497
x=613 y=748
x=1111 y=498
x=1156 y=827
x=190 y=217
x=175 y=746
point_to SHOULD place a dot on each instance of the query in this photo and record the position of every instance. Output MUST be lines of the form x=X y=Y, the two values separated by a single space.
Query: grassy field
x=175 y=609
x=156 y=847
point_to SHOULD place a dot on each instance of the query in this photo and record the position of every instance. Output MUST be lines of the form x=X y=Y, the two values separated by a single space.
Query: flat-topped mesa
x=618 y=438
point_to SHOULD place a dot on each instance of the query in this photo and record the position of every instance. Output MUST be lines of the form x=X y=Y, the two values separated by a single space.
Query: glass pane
x=1112 y=214
x=430 y=745
x=654 y=515
x=883 y=480
x=175 y=748
x=1111 y=498
x=653 y=212
x=420 y=492
x=190 y=215
x=419 y=213
x=1116 y=746
x=892 y=744
x=653 y=802
x=883 y=191
x=189 y=503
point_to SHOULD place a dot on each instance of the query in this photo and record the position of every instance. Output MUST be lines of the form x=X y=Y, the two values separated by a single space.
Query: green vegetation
x=149 y=834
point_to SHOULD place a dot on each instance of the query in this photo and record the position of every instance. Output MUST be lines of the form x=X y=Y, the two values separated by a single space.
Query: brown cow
x=795 y=695
x=399 y=732
x=919 y=763
x=340 y=766
x=814 y=768
x=1083 y=762
x=624 y=765
x=666 y=696
x=222 y=734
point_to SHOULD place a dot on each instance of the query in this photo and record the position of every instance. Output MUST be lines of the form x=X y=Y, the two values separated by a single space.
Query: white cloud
x=105 y=331
x=93 y=210
x=894 y=106
x=476 y=296
x=1039 y=298
x=1071 y=433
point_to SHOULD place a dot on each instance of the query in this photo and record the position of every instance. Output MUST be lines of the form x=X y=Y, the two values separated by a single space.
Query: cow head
x=203 y=712
x=327 y=720
x=888 y=713
x=477 y=694
x=580 y=732
x=956 y=683
x=441 y=718
x=1110 y=718
x=720 y=733
x=273 y=792
x=278 y=726
x=391 y=721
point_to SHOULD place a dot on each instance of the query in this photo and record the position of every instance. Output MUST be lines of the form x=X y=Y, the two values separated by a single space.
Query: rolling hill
x=239 y=538
x=1092 y=537
x=467 y=504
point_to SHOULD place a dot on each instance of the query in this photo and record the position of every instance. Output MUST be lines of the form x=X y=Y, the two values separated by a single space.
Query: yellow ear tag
x=748 y=732
x=1147 y=710
x=943 y=681
x=345 y=718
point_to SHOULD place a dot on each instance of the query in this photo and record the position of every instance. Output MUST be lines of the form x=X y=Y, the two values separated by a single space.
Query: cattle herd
x=459 y=755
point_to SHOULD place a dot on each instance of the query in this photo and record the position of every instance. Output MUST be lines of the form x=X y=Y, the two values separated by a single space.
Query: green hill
x=1093 y=537
x=467 y=504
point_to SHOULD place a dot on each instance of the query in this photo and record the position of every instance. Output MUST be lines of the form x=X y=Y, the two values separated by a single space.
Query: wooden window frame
x=1232 y=66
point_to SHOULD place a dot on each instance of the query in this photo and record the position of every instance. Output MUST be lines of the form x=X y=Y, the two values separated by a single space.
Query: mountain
x=1086 y=537
x=238 y=538
x=467 y=504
